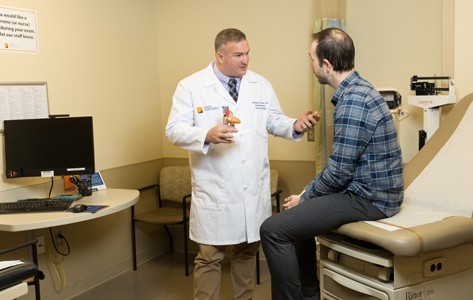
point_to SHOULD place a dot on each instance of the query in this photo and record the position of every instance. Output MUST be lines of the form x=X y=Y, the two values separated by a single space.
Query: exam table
x=425 y=252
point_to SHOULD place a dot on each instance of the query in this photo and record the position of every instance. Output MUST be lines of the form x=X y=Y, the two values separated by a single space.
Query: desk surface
x=117 y=199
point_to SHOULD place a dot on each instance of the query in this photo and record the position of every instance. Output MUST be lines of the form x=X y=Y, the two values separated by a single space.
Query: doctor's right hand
x=221 y=134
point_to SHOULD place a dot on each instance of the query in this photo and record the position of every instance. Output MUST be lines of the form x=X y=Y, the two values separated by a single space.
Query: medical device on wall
x=394 y=100
x=431 y=98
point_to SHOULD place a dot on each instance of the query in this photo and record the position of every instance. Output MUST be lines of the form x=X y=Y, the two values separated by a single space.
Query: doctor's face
x=232 y=60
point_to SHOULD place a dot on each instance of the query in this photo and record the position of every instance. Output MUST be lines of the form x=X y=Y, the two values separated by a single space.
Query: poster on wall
x=18 y=30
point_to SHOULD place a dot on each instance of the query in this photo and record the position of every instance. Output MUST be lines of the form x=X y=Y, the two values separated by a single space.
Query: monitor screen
x=49 y=147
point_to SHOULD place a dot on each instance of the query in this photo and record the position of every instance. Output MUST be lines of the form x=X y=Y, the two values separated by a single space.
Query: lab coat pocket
x=209 y=192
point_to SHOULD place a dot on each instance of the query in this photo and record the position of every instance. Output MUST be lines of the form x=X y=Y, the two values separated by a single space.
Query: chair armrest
x=19 y=246
x=153 y=186
x=276 y=195
x=158 y=193
x=184 y=205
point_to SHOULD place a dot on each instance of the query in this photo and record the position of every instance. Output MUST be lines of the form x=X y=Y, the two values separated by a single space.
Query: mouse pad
x=91 y=208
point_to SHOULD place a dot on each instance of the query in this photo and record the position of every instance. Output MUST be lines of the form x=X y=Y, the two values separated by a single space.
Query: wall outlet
x=311 y=135
x=41 y=245
x=58 y=238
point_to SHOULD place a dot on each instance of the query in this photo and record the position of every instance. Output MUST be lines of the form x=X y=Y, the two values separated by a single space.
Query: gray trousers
x=289 y=245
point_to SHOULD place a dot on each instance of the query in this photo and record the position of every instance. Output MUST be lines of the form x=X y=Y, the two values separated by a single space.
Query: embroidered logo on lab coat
x=260 y=104
x=209 y=108
x=200 y=109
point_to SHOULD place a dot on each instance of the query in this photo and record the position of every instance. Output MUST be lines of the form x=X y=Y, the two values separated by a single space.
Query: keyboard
x=34 y=205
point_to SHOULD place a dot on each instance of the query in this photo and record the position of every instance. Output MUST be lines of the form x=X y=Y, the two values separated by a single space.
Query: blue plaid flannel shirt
x=366 y=157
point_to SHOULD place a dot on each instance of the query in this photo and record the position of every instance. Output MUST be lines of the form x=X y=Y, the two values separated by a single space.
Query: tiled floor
x=163 y=279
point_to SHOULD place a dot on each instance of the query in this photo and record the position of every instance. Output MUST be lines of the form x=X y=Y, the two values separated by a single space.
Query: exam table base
x=352 y=272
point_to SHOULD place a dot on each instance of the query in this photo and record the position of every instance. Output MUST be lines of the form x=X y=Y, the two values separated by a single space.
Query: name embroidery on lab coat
x=201 y=109
x=260 y=104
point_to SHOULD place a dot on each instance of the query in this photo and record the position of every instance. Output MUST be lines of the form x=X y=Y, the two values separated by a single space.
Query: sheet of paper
x=9 y=263
x=23 y=101
x=410 y=216
x=383 y=226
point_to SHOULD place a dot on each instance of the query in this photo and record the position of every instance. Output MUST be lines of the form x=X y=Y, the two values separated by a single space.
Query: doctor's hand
x=306 y=121
x=220 y=134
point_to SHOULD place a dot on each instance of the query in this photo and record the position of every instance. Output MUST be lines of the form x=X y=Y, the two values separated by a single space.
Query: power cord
x=60 y=276
x=51 y=188
x=58 y=266
x=63 y=238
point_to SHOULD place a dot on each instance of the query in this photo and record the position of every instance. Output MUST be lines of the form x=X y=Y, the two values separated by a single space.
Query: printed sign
x=18 y=30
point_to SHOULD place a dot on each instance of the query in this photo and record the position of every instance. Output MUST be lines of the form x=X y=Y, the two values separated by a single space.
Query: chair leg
x=186 y=249
x=258 y=279
x=39 y=273
x=171 y=247
x=133 y=237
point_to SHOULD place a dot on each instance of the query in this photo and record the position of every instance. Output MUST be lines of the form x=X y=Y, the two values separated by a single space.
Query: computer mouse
x=79 y=208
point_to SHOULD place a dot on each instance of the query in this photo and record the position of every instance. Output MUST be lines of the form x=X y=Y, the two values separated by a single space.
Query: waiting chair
x=14 y=280
x=173 y=200
x=275 y=193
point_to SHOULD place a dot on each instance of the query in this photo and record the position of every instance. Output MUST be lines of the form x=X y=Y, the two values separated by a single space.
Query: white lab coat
x=230 y=182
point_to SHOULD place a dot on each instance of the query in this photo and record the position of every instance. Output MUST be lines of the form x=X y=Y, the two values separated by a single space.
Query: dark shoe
x=314 y=297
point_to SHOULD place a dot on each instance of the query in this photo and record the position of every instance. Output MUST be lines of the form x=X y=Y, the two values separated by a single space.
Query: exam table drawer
x=339 y=287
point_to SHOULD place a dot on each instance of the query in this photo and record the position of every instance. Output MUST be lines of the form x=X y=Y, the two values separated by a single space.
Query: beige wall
x=463 y=47
x=395 y=40
x=98 y=58
x=120 y=62
x=279 y=36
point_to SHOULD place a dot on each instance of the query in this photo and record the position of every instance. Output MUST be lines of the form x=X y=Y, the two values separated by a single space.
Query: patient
x=363 y=179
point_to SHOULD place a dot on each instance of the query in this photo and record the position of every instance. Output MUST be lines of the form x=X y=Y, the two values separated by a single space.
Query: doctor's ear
x=219 y=57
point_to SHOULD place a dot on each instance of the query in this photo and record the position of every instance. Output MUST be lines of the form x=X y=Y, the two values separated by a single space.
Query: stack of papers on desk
x=9 y=263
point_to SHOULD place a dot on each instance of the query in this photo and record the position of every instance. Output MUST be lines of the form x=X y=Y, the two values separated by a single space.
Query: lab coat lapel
x=247 y=83
x=211 y=81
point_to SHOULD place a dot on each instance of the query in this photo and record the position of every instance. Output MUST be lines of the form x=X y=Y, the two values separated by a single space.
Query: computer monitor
x=49 y=147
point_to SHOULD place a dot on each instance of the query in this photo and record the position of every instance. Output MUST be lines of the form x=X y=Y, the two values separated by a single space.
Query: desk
x=117 y=199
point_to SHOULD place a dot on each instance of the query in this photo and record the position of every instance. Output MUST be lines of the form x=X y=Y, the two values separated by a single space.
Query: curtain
x=328 y=13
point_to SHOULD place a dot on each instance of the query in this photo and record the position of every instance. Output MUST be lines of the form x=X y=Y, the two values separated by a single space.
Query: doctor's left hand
x=220 y=134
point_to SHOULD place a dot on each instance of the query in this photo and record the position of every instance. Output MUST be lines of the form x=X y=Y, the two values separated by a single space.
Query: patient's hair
x=228 y=35
x=337 y=47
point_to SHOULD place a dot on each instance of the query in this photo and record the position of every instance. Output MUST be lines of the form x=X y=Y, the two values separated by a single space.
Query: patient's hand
x=291 y=201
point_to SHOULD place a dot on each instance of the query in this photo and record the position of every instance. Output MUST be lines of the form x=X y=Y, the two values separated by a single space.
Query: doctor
x=230 y=165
